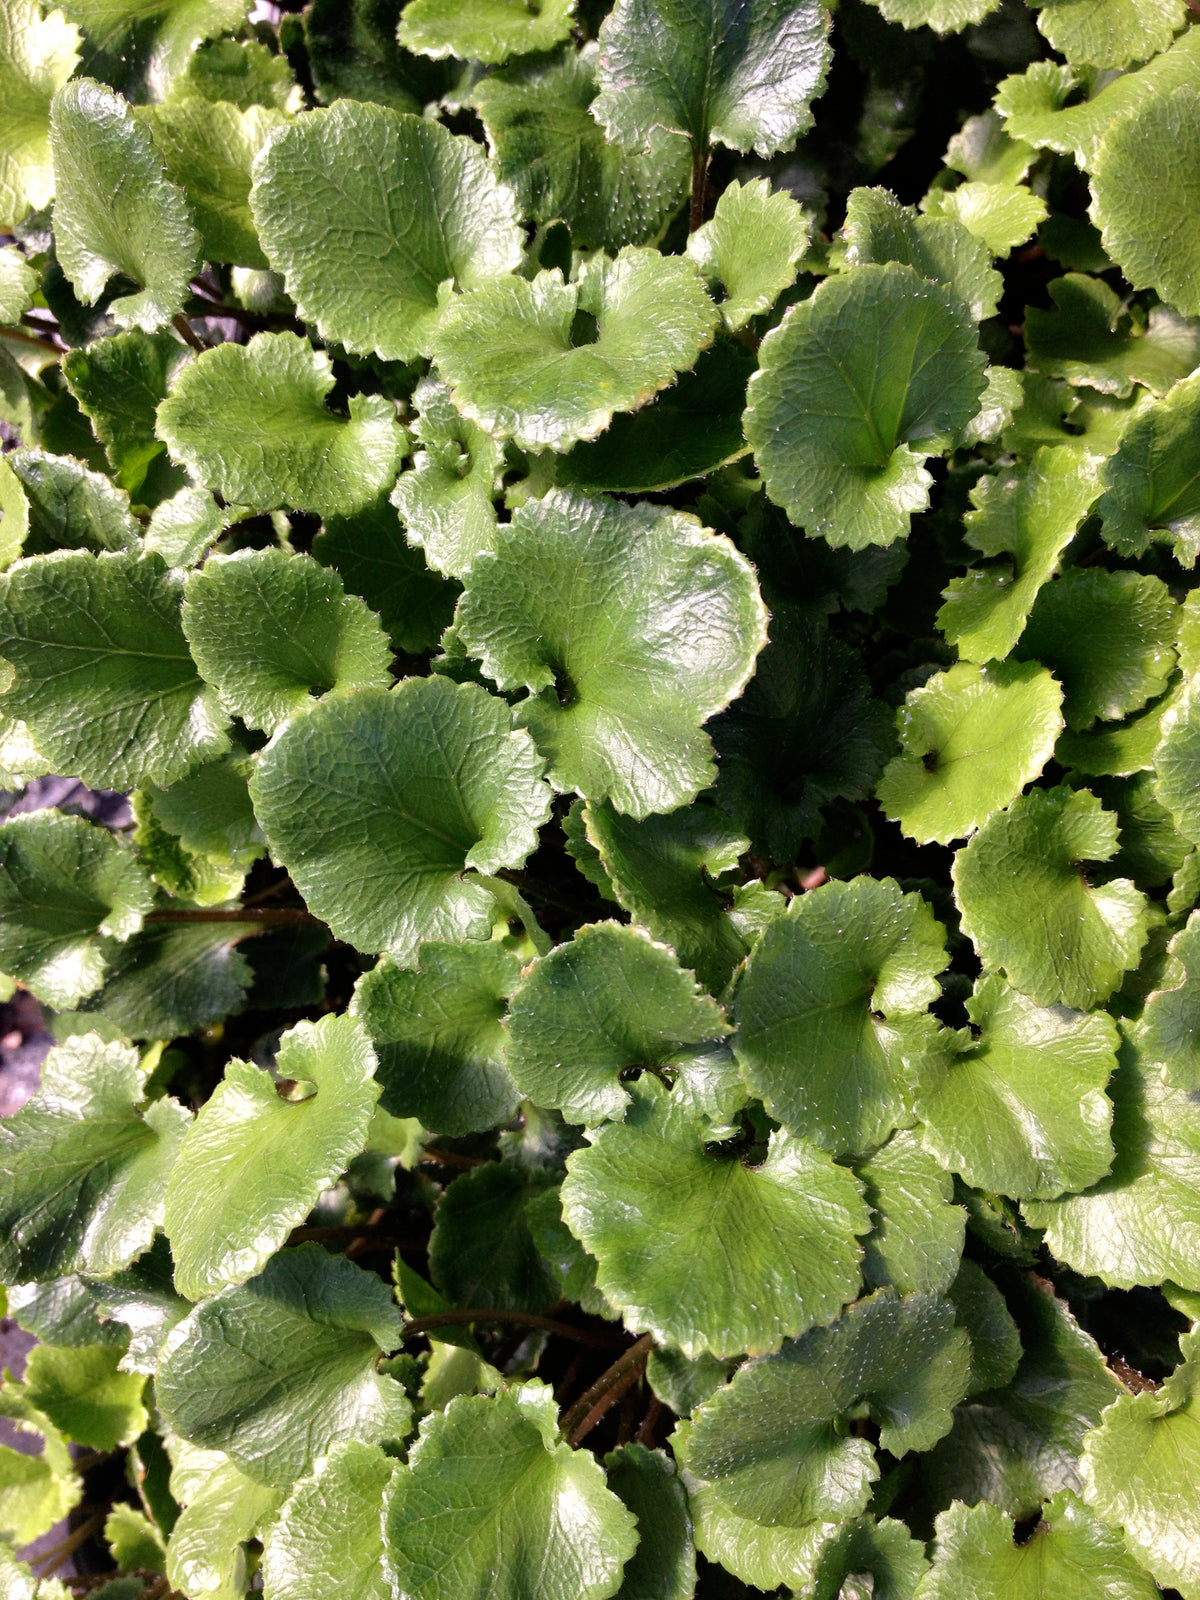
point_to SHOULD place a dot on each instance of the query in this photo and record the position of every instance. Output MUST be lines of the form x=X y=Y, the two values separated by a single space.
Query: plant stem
x=523 y=1319
x=606 y=1391
x=184 y=330
x=67 y=1547
x=451 y=1158
x=699 y=185
x=277 y=915
x=31 y=338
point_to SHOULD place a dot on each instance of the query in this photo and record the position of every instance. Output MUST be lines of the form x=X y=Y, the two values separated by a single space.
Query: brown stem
x=187 y=334
x=699 y=185
x=451 y=1158
x=67 y=1547
x=31 y=338
x=371 y=1232
x=523 y=1319
x=281 y=915
x=645 y=1434
x=606 y=1391
x=92 y=1459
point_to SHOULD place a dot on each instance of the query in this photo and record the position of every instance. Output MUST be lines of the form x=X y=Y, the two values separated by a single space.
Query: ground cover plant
x=637 y=567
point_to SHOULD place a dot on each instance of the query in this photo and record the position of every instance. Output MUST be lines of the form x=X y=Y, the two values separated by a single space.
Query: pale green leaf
x=943 y=16
x=147 y=44
x=1026 y=515
x=751 y=248
x=1107 y=636
x=36 y=1490
x=69 y=507
x=856 y=387
x=1151 y=482
x=84 y=1393
x=1070 y=1555
x=114 y=209
x=63 y=1312
x=14 y=518
x=437 y=1031
x=604 y=1008
x=372 y=215
x=270 y=630
x=119 y=383
x=879 y=229
x=278 y=1371
x=250 y=421
x=553 y=152
x=484 y=1501
x=241 y=72
x=210 y=812
x=222 y=1510
x=446 y=499
x=630 y=627
x=328 y=1535
x=663 y=1567
x=546 y=362
x=971 y=739
x=134 y=1540
x=66 y=885
x=254 y=1162
x=1089 y=339
x=103 y=675
x=1171 y=1016
x=379 y=803
x=18 y=283
x=1033 y=912
x=1000 y=215
x=1140 y=1469
x=742 y=75
x=83 y=1171
x=37 y=55
x=1119 y=749
x=829 y=993
x=916 y=1242
x=141 y=1305
x=681 y=1232
x=483 y=30
x=1110 y=33
x=1017 y=1106
x=1176 y=759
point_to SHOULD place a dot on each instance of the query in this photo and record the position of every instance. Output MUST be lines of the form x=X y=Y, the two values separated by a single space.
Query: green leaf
x=147 y=44
x=1171 y=1014
x=1070 y=1554
x=250 y=421
x=1176 y=757
x=688 y=430
x=943 y=16
x=379 y=803
x=1107 y=636
x=1150 y=483
x=481 y=1505
x=483 y=30
x=750 y=248
x=119 y=383
x=168 y=980
x=995 y=1342
x=1119 y=749
x=65 y=886
x=1141 y=1224
x=605 y=1008
x=869 y=1560
x=1016 y=1446
x=441 y=1046
x=1000 y=215
x=583 y=603
x=855 y=387
x=823 y=1006
x=1031 y=910
x=353 y=55
x=103 y=675
x=917 y=1241
x=879 y=229
x=1089 y=339
x=1024 y=518
x=376 y=562
x=254 y=1162
x=114 y=210
x=182 y=528
x=70 y=508
x=1110 y=33
x=663 y=1567
x=807 y=730
x=509 y=352
x=1144 y=186
x=134 y=1540
x=210 y=811
x=664 y=870
x=278 y=1371
x=306 y=636
x=18 y=284
x=36 y=1490
x=971 y=739
x=446 y=499
x=222 y=1509
x=738 y=75
x=425 y=211
x=1018 y=1105
x=63 y=1312
x=82 y=1170
x=328 y=1535
x=549 y=147
x=82 y=1391
x=680 y=1231
x=141 y=1304
x=241 y=72
x=208 y=148
x=37 y=55
x=769 y=1442
x=482 y=1252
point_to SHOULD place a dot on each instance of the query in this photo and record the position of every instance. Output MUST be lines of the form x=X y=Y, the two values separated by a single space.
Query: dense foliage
x=636 y=566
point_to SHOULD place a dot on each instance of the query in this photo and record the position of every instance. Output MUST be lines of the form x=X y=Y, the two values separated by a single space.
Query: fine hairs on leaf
x=600 y=799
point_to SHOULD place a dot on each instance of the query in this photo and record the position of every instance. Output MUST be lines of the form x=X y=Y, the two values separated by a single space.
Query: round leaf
x=1151 y=483
x=917 y=1241
x=856 y=386
x=483 y=30
x=378 y=803
x=1170 y=1034
x=328 y=1536
x=751 y=248
x=37 y=55
x=682 y=1233
x=1029 y=906
x=403 y=207
x=446 y=500
x=879 y=229
x=631 y=627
